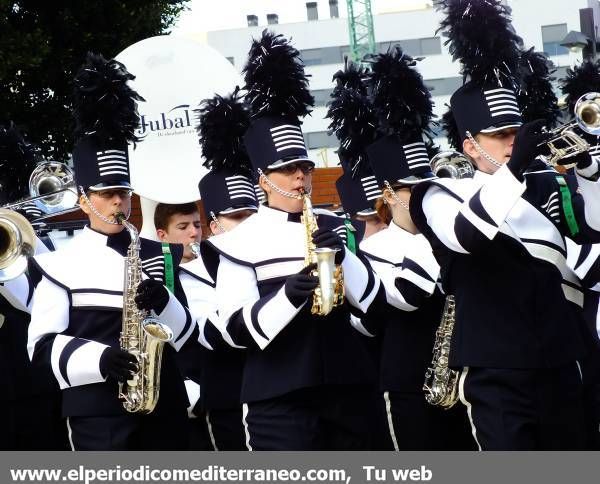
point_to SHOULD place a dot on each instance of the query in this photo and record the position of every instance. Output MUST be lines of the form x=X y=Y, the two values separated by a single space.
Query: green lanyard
x=567 y=205
x=350 y=237
x=169 y=276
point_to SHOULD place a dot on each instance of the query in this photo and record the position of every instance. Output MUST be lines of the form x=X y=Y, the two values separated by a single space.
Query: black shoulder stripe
x=256 y=309
x=583 y=254
x=479 y=210
x=416 y=268
x=198 y=278
x=66 y=353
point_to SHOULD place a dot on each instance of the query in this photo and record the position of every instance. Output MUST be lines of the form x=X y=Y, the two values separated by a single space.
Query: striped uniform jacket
x=410 y=312
x=77 y=312
x=217 y=369
x=502 y=251
x=287 y=347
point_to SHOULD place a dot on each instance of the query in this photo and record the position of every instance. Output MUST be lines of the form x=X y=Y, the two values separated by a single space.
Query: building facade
x=324 y=42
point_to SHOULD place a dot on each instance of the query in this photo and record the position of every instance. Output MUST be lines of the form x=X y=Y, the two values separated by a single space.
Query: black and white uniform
x=217 y=378
x=305 y=376
x=76 y=313
x=407 y=322
x=29 y=396
x=501 y=247
x=584 y=260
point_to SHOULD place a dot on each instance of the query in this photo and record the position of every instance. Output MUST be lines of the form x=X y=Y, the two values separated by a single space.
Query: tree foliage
x=43 y=43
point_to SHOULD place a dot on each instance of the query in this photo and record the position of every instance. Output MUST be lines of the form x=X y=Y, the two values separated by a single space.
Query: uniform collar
x=118 y=242
x=278 y=215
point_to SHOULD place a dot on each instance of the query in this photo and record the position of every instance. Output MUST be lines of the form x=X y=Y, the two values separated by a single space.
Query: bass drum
x=173 y=74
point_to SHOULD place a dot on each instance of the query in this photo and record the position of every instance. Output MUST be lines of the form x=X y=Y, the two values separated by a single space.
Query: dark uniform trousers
x=319 y=418
x=128 y=432
x=524 y=409
x=226 y=428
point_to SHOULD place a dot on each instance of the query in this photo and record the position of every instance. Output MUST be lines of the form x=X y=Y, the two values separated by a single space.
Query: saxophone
x=441 y=383
x=141 y=335
x=330 y=291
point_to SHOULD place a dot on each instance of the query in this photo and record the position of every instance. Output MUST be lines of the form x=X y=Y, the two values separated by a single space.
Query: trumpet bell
x=17 y=243
x=52 y=187
x=452 y=164
x=587 y=113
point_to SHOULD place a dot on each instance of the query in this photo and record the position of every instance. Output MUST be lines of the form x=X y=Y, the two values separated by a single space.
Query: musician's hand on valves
x=327 y=238
x=528 y=145
x=117 y=364
x=582 y=160
x=299 y=287
x=152 y=295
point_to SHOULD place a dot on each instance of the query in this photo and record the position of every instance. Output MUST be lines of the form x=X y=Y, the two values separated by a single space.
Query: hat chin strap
x=97 y=213
x=280 y=190
x=481 y=151
x=395 y=196
x=219 y=224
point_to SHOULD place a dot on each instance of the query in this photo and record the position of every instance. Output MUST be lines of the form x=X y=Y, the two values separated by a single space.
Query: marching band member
x=78 y=302
x=502 y=253
x=305 y=376
x=402 y=258
x=228 y=198
x=29 y=400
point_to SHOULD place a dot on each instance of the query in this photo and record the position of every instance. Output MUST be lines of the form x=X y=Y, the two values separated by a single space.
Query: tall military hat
x=228 y=186
x=404 y=111
x=278 y=95
x=354 y=124
x=481 y=36
x=18 y=159
x=105 y=111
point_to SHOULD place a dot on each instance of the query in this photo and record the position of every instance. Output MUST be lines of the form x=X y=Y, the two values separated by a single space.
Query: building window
x=320 y=139
x=322 y=96
x=444 y=86
x=323 y=55
x=552 y=36
x=414 y=47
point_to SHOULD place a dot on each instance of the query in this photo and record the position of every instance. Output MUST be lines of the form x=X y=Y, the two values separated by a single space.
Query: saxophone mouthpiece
x=119 y=217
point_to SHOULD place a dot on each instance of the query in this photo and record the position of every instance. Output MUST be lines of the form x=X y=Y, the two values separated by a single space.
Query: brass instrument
x=441 y=383
x=17 y=243
x=564 y=142
x=452 y=164
x=330 y=291
x=195 y=248
x=142 y=335
x=52 y=188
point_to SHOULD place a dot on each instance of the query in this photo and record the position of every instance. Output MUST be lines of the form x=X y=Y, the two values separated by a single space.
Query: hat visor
x=366 y=213
x=281 y=163
x=495 y=129
x=413 y=180
x=231 y=210
x=110 y=186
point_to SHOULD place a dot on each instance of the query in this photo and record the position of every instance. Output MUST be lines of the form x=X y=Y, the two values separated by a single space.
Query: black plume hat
x=18 y=158
x=228 y=186
x=278 y=95
x=481 y=36
x=105 y=111
x=404 y=111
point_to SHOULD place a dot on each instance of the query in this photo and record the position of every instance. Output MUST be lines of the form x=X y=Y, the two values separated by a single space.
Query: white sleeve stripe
x=419 y=281
x=57 y=347
x=83 y=366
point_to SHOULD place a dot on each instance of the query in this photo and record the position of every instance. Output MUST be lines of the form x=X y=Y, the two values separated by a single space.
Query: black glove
x=527 y=147
x=299 y=287
x=582 y=160
x=150 y=295
x=328 y=238
x=117 y=364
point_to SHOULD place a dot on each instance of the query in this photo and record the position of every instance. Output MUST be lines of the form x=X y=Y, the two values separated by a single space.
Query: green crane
x=360 y=28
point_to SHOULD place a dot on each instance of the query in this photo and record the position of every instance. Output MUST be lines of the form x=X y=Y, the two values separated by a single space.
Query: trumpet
x=564 y=142
x=17 y=243
x=452 y=164
x=52 y=188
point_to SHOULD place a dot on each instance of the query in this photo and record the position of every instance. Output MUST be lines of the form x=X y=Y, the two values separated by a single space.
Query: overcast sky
x=209 y=15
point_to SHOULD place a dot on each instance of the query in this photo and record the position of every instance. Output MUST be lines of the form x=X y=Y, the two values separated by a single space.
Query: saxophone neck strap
x=350 y=237
x=169 y=273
